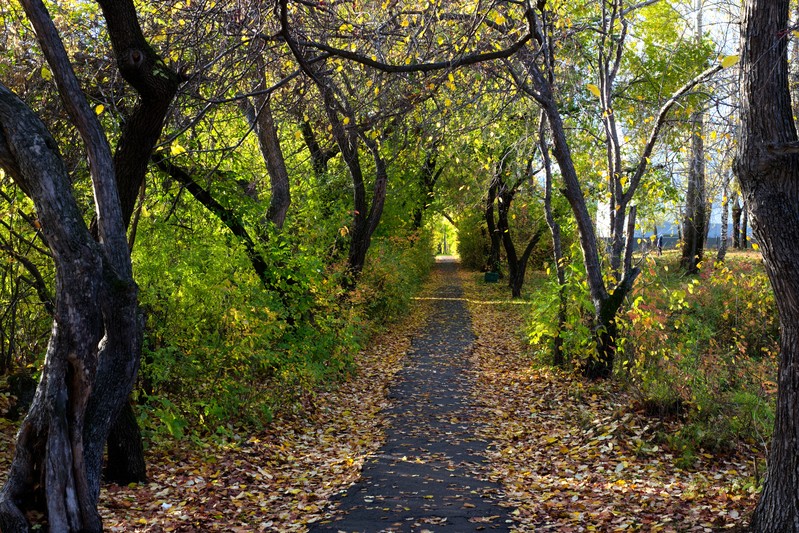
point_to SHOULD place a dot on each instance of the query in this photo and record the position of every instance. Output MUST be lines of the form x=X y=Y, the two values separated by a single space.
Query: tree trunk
x=736 y=223
x=517 y=266
x=725 y=217
x=92 y=356
x=319 y=157
x=695 y=203
x=605 y=304
x=519 y=270
x=260 y=118
x=494 y=263
x=706 y=229
x=557 y=245
x=428 y=176
x=95 y=345
x=767 y=166
x=125 y=463
x=744 y=238
x=156 y=85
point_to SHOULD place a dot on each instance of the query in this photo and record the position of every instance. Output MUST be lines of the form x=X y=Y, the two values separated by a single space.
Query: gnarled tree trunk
x=767 y=166
x=92 y=356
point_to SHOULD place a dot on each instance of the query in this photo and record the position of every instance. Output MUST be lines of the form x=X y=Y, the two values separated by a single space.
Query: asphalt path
x=428 y=476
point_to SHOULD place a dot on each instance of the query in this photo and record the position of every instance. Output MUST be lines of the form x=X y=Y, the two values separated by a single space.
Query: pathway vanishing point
x=427 y=476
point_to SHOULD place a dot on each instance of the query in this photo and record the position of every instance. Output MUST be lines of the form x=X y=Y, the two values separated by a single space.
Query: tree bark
x=95 y=346
x=319 y=157
x=93 y=352
x=606 y=304
x=768 y=172
x=725 y=217
x=744 y=238
x=125 y=462
x=494 y=263
x=260 y=118
x=736 y=223
x=695 y=203
x=517 y=265
x=428 y=177
x=156 y=85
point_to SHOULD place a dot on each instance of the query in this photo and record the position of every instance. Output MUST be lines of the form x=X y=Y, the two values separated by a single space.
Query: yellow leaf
x=727 y=62
x=176 y=149
x=46 y=74
x=346 y=120
x=99 y=109
x=447 y=102
x=593 y=88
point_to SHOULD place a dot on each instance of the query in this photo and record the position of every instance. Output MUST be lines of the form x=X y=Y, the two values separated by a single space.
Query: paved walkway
x=426 y=477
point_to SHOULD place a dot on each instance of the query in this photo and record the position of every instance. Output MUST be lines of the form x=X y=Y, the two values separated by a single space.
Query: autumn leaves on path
x=430 y=473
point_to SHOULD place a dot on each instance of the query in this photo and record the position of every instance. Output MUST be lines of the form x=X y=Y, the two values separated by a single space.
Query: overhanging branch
x=463 y=61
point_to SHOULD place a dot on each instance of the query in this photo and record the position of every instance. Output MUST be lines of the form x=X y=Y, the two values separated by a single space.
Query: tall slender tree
x=536 y=73
x=696 y=213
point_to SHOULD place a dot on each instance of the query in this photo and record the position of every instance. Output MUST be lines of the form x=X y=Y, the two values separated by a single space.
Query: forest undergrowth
x=572 y=455
x=578 y=455
x=277 y=479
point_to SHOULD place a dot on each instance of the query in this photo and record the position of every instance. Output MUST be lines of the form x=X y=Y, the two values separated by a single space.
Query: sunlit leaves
x=176 y=149
x=727 y=62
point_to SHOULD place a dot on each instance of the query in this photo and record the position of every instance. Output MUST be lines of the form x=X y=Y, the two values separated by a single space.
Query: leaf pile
x=576 y=456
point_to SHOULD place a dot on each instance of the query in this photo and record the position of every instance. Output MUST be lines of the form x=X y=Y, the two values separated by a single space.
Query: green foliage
x=395 y=269
x=702 y=350
x=709 y=344
x=219 y=347
x=222 y=351
x=576 y=335
x=473 y=242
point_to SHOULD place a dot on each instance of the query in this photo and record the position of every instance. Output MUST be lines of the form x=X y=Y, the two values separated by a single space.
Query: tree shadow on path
x=428 y=474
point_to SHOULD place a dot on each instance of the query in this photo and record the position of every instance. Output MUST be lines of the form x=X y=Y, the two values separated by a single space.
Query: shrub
x=395 y=268
x=473 y=242
x=709 y=342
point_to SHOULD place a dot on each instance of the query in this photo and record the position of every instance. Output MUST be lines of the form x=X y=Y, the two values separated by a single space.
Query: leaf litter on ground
x=571 y=455
x=575 y=455
x=279 y=479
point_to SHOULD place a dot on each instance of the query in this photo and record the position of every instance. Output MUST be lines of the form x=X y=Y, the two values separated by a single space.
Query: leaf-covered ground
x=576 y=456
x=570 y=455
x=276 y=480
